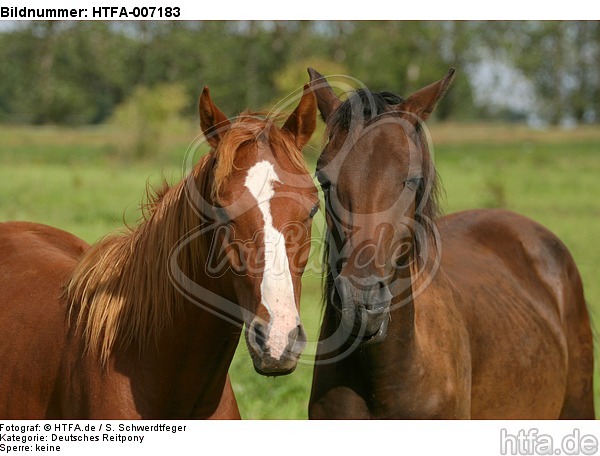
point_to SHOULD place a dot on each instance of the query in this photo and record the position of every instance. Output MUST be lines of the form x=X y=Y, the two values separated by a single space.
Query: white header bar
x=301 y=10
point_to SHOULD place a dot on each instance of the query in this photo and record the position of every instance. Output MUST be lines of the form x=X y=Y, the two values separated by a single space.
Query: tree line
x=77 y=73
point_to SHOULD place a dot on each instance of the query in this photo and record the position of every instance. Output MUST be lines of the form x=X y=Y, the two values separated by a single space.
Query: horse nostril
x=259 y=336
x=344 y=288
x=296 y=341
x=293 y=335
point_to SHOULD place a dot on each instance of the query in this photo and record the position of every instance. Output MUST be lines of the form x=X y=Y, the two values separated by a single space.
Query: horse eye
x=414 y=182
x=314 y=211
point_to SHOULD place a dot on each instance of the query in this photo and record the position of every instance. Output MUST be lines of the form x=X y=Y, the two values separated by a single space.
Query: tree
x=561 y=60
x=78 y=72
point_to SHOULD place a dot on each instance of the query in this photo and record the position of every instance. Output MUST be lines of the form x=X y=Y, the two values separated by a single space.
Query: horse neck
x=415 y=353
x=123 y=291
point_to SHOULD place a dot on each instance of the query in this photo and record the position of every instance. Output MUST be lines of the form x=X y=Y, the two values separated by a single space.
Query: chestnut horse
x=143 y=324
x=478 y=314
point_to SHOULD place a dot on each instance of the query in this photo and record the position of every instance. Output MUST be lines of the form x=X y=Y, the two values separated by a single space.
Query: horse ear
x=212 y=121
x=423 y=101
x=302 y=122
x=327 y=100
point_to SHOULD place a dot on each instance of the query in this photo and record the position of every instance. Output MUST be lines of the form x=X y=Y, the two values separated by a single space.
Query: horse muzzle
x=365 y=310
x=265 y=363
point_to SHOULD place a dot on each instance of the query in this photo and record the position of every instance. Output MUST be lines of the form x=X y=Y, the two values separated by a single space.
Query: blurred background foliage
x=147 y=118
x=78 y=73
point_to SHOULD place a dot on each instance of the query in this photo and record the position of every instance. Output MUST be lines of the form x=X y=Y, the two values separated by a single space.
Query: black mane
x=365 y=104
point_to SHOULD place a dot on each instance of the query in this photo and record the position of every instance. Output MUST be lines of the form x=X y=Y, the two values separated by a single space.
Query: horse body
x=46 y=372
x=502 y=336
x=36 y=260
x=521 y=297
x=479 y=314
x=139 y=325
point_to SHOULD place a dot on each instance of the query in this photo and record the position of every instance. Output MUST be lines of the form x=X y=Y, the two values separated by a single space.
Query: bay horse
x=142 y=324
x=479 y=314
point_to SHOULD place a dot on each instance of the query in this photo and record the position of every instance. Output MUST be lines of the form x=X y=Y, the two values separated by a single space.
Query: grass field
x=75 y=180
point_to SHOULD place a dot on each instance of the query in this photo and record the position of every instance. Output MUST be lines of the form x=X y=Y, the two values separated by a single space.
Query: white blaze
x=276 y=288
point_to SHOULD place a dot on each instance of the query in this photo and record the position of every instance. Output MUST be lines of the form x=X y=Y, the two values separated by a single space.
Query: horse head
x=380 y=186
x=263 y=200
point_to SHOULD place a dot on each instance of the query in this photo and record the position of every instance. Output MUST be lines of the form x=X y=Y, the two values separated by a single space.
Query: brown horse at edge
x=479 y=314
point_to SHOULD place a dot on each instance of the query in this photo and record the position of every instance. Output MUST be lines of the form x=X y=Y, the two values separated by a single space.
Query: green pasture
x=80 y=180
